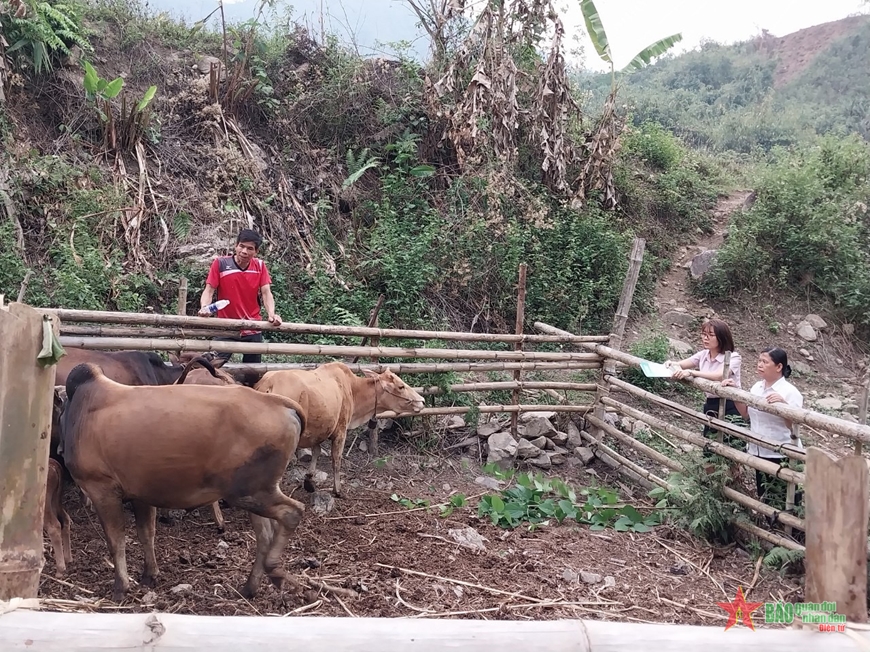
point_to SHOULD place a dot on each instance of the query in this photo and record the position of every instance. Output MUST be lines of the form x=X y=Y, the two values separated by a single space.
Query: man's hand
x=682 y=373
x=275 y=319
x=775 y=398
x=203 y=312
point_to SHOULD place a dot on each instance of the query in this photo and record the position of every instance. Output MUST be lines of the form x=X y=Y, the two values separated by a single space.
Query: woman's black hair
x=778 y=356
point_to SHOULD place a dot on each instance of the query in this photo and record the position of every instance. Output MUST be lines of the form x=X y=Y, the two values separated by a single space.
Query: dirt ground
x=371 y=556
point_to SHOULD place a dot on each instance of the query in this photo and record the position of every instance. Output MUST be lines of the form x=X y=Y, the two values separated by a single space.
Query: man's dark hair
x=249 y=235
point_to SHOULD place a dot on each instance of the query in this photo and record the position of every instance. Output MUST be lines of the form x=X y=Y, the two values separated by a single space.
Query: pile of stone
x=538 y=443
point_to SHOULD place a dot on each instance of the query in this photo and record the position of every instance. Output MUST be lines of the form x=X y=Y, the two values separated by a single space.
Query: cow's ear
x=370 y=373
x=174 y=359
x=217 y=363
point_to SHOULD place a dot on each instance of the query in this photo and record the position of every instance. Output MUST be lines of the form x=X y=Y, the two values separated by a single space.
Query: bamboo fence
x=420 y=367
x=228 y=326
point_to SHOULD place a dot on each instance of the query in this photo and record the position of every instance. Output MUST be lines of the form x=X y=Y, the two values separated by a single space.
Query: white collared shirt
x=705 y=364
x=770 y=427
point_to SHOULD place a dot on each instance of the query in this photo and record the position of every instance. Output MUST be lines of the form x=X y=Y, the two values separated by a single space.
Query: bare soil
x=388 y=561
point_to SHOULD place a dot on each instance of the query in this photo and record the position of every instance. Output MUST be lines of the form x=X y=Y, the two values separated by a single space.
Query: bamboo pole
x=770 y=537
x=862 y=411
x=272 y=348
x=836 y=533
x=620 y=319
x=434 y=390
x=763 y=508
x=726 y=372
x=484 y=409
x=25 y=426
x=800 y=415
x=150 y=319
x=630 y=441
x=55 y=631
x=614 y=460
x=737 y=431
x=518 y=346
x=98 y=330
x=375 y=341
x=758 y=463
x=417 y=367
x=182 y=296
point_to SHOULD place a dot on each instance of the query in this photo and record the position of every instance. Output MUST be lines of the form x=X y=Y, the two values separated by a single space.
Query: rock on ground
x=323 y=502
x=806 y=332
x=678 y=318
x=526 y=449
x=702 y=262
x=816 y=322
x=502 y=449
x=537 y=427
x=829 y=403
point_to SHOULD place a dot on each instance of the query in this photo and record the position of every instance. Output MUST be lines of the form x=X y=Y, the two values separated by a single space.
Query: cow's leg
x=308 y=482
x=263 y=530
x=336 y=450
x=110 y=510
x=286 y=513
x=146 y=518
x=53 y=529
x=218 y=516
x=65 y=532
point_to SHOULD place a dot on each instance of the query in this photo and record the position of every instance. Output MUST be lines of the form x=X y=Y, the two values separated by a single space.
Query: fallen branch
x=335 y=590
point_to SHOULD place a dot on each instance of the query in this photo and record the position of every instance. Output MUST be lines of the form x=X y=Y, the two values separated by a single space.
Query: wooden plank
x=26 y=403
x=273 y=348
x=151 y=319
x=836 y=534
x=518 y=346
x=79 y=632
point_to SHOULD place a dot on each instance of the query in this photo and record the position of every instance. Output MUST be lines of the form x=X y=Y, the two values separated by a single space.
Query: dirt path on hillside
x=672 y=290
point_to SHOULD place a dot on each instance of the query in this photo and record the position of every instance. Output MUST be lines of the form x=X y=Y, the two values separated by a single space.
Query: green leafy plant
x=123 y=133
x=535 y=500
x=43 y=32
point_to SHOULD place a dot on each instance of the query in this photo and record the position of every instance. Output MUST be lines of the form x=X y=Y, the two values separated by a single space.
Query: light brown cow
x=55 y=520
x=181 y=447
x=336 y=400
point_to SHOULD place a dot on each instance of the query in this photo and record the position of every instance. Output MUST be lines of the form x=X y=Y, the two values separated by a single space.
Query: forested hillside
x=135 y=147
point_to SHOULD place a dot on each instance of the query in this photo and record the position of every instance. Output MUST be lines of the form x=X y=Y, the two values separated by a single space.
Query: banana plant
x=598 y=36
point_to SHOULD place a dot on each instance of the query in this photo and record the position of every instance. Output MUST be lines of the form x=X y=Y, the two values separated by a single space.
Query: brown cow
x=125 y=367
x=336 y=400
x=181 y=447
x=55 y=520
x=199 y=371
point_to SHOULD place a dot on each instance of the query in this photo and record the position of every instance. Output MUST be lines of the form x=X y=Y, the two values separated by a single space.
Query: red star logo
x=740 y=606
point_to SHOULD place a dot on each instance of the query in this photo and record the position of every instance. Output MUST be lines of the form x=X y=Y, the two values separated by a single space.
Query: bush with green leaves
x=653 y=346
x=654 y=145
x=536 y=500
x=48 y=30
x=809 y=226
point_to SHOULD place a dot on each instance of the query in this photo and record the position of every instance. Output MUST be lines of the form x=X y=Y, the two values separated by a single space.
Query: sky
x=631 y=25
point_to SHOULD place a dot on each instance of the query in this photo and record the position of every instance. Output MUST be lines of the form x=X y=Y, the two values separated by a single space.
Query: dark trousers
x=711 y=409
x=247 y=357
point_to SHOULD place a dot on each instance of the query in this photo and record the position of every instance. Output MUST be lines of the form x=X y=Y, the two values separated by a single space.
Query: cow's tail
x=196 y=362
x=79 y=386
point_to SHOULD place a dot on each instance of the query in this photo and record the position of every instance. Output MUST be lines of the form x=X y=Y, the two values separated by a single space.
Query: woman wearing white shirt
x=709 y=363
x=773 y=370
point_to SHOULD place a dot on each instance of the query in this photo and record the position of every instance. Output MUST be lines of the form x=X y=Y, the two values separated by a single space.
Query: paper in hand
x=655 y=370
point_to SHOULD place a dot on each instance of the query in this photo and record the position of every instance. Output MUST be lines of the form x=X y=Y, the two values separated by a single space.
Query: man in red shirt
x=242 y=278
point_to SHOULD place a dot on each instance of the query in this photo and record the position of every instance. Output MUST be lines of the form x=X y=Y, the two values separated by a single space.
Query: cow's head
x=394 y=394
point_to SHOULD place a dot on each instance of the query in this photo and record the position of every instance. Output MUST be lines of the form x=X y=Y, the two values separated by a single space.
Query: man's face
x=245 y=251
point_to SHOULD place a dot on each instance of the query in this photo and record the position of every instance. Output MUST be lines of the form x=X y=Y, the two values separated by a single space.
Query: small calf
x=55 y=520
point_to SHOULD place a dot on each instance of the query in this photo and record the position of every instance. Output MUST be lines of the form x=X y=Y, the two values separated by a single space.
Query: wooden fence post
x=26 y=403
x=518 y=346
x=836 y=535
x=182 y=296
x=635 y=261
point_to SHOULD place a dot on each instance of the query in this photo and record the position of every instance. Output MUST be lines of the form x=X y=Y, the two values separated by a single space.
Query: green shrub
x=809 y=226
x=654 y=145
x=653 y=346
